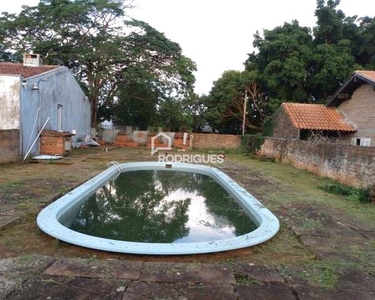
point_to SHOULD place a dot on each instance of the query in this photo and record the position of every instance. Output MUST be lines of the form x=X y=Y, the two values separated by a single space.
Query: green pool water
x=161 y=207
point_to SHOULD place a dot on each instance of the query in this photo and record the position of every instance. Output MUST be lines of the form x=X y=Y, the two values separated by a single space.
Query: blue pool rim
x=268 y=224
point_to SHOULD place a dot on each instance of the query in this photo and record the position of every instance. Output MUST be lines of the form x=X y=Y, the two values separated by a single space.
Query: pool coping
x=269 y=225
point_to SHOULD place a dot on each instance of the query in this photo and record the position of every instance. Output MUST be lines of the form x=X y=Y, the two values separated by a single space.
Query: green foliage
x=225 y=103
x=283 y=61
x=295 y=64
x=173 y=116
x=251 y=143
x=350 y=193
x=195 y=105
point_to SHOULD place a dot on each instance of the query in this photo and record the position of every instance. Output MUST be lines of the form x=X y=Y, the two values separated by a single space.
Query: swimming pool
x=173 y=227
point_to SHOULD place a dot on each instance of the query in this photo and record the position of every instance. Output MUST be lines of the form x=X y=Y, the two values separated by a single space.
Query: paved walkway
x=43 y=277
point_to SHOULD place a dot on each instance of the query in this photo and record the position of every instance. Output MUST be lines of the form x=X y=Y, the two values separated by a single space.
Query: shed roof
x=316 y=117
x=20 y=69
x=359 y=77
x=370 y=75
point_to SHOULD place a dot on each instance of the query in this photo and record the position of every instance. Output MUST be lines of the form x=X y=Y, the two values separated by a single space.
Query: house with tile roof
x=36 y=97
x=356 y=101
x=349 y=114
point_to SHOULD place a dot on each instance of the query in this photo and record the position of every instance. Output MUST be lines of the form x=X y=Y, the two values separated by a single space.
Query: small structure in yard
x=349 y=114
x=36 y=97
x=298 y=121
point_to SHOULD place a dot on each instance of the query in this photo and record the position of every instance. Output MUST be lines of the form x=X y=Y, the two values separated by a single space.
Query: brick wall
x=352 y=165
x=360 y=110
x=9 y=146
x=216 y=141
x=283 y=127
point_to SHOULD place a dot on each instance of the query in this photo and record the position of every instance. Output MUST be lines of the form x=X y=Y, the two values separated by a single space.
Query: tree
x=293 y=64
x=336 y=40
x=196 y=105
x=365 y=55
x=283 y=62
x=172 y=115
x=225 y=104
x=91 y=39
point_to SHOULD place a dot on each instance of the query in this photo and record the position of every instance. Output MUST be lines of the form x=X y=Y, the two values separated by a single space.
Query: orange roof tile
x=368 y=74
x=316 y=117
x=20 y=69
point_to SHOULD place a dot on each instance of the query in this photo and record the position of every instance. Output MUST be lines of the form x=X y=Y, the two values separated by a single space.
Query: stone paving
x=41 y=277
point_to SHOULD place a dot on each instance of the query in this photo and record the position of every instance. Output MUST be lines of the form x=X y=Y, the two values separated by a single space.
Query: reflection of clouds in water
x=203 y=225
x=161 y=206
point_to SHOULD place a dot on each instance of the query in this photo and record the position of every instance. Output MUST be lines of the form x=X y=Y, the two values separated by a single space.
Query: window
x=59 y=117
x=364 y=142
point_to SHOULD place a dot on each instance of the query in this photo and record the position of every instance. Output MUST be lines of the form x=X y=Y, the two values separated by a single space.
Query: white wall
x=9 y=102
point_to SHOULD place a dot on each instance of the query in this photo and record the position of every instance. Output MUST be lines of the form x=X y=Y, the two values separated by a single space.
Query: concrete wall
x=57 y=87
x=360 y=109
x=216 y=141
x=9 y=102
x=283 y=127
x=9 y=146
x=9 y=119
x=352 y=165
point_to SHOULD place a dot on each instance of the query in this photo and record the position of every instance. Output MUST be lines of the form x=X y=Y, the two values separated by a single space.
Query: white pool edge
x=269 y=225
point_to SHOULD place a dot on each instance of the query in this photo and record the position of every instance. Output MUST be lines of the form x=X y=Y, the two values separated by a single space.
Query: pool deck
x=322 y=252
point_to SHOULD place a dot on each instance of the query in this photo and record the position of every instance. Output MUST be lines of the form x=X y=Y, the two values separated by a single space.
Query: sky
x=218 y=34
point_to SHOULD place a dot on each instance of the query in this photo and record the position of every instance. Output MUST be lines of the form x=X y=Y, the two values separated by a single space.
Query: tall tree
x=283 y=62
x=336 y=41
x=365 y=56
x=225 y=104
x=90 y=38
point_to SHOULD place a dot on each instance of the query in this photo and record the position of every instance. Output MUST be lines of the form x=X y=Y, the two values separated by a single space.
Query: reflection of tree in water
x=131 y=208
x=171 y=181
x=224 y=208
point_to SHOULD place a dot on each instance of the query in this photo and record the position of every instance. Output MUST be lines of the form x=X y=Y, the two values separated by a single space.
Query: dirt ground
x=326 y=244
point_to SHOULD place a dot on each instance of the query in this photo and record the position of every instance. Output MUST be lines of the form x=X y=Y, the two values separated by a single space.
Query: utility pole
x=244 y=113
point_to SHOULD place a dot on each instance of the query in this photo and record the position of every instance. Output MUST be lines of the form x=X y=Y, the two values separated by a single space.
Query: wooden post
x=244 y=113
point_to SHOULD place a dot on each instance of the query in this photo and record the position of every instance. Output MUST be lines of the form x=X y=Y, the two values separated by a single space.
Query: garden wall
x=352 y=165
x=216 y=141
x=9 y=146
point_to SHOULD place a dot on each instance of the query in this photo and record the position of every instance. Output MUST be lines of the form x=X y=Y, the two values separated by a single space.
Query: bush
x=350 y=193
x=251 y=143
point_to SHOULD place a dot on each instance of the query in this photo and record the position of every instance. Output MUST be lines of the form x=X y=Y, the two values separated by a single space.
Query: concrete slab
x=95 y=269
x=261 y=274
x=265 y=292
x=5 y=221
x=328 y=248
x=211 y=291
x=7 y=285
x=356 y=280
x=147 y=291
x=67 y=288
x=314 y=293
x=201 y=273
x=24 y=264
